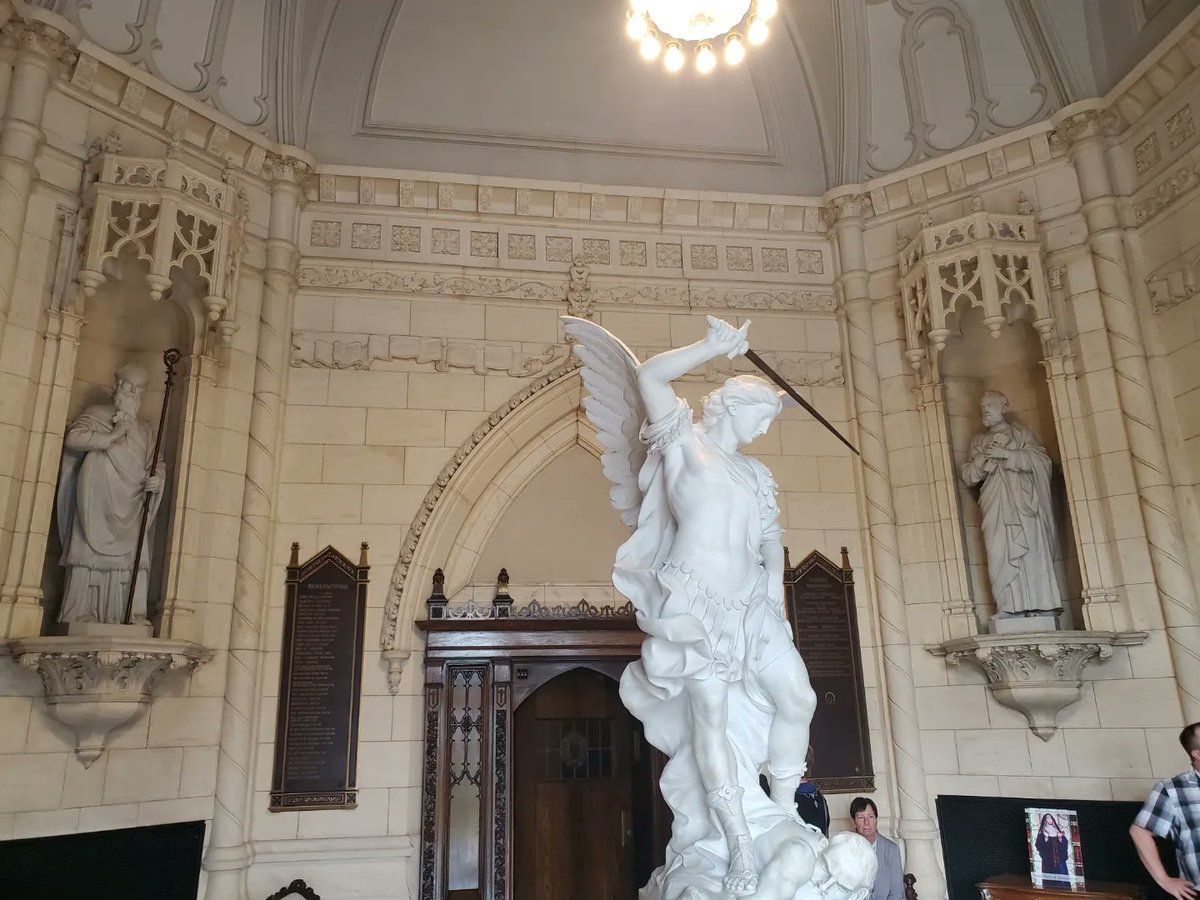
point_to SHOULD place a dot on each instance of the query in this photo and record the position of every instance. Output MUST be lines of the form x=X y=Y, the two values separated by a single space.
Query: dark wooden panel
x=320 y=682
x=573 y=762
x=820 y=604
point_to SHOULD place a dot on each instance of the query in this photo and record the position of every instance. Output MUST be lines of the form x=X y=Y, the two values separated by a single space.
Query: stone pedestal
x=96 y=682
x=1038 y=674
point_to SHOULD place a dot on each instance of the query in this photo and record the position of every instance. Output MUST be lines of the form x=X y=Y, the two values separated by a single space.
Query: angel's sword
x=791 y=392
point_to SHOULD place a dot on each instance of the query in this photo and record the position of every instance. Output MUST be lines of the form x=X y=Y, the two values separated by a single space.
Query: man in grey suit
x=889 y=880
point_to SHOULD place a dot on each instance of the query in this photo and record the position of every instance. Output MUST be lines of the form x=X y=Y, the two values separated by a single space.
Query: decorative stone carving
x=534 y=609
x=360 y=351
x=658 y=294
x=1180 y=127
x=170 y=216
x=1146 y=154
x=581 y=300
x=983 y=259
x=1165 y=193
x=96 y=683
x=1037 y=674
x=1173 y=287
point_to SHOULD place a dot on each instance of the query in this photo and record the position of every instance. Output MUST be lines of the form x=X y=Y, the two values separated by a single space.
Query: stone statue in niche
x=107 y=472
x=1019 y=533
x=720 y=686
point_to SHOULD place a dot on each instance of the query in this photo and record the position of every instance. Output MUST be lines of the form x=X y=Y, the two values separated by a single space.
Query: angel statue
x=720 y=686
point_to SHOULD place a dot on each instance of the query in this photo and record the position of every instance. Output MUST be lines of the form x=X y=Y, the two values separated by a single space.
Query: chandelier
x=667 y=27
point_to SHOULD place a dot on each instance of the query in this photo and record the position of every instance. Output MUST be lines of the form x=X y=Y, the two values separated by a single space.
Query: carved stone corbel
x=1038 y=674
x=96 y=683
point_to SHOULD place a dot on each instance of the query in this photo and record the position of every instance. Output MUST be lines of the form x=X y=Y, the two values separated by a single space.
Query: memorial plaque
x=820 y=605
x=320 y=683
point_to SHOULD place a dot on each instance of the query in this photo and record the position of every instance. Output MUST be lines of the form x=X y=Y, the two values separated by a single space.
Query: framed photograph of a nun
x=1055 y=854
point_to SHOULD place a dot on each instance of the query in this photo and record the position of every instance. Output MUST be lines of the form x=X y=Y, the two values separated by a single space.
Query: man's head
x=993 y=405
x=127 y=392
x=1190 y=739
x=866 y=817
x=749 y=403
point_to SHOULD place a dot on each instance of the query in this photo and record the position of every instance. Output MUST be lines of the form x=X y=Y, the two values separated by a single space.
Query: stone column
x=41 y=48
x=1083 y=133
x=916 y=825
x=228 y=853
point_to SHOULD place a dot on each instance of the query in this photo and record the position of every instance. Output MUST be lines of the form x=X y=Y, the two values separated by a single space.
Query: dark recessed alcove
x=159 y=861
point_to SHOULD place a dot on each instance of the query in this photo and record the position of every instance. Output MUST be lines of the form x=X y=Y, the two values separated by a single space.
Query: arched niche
x=1012 y=362
x=123 y=324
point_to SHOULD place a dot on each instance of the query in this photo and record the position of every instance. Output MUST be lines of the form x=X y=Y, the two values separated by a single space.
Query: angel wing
x=614 y=405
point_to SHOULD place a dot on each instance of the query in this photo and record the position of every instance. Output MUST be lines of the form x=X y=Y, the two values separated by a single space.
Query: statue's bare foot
x=742 y=876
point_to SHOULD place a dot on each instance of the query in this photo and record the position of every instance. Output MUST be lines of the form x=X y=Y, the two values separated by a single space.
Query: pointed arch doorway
x=532 y=767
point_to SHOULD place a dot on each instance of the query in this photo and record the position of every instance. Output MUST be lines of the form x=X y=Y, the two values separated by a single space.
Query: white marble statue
x=107 y=471
x=720 y=687
x=1018 y=519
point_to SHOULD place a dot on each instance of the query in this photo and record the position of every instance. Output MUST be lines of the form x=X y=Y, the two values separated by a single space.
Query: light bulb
x=735 y=49
x=766 y=8
x=651 y=46
x=757 y=32
x=706 y=60
x=673 y=59
x=636 y=27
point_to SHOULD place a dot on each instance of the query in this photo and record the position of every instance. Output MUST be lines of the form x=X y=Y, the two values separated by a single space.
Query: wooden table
x=1020 y=887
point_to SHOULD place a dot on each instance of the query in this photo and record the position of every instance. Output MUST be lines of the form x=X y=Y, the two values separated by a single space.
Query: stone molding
x=337 y=350
x=397 y=656
x=1038 y=674
x=93 y=684
x=538 y=288
x=1156 y=77
x=104 y=81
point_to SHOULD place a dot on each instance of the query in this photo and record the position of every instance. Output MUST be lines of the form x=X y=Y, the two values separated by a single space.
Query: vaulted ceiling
x=842 y=91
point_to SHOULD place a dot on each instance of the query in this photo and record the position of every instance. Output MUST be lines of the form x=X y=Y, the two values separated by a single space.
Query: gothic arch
x=463 y=507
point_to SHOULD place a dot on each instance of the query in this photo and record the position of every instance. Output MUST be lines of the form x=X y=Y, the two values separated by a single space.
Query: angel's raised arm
x=655 y=375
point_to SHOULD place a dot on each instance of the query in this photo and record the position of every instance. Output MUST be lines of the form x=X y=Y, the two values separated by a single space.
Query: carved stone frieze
x=360 y=351
x=94 y=684
x=1180 y=182
x=534 y=288
x=1039 y=673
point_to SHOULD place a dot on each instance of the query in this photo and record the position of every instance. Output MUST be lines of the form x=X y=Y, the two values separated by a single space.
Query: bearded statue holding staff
x=108 y=472
x=720 y=686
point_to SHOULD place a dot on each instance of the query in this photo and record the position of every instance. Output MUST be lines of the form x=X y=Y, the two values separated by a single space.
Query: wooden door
x=572 y=792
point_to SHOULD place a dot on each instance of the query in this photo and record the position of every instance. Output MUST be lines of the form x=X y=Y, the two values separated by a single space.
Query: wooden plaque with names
x=819 y=595
x=320 y=683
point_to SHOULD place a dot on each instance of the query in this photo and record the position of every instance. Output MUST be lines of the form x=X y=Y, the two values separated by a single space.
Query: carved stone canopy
x=96 y=683
x=1038 y=674
x=985 y=260
x=174 y=219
